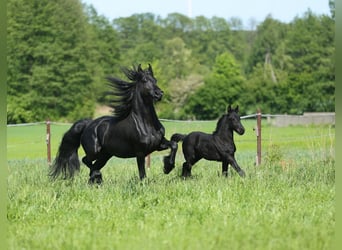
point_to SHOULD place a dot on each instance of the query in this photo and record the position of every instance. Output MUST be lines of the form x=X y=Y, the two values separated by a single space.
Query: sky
x=246 y=10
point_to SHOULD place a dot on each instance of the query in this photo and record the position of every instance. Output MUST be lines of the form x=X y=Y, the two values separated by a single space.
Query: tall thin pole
x=48 y=141
x=148 y=161
x=258 y=133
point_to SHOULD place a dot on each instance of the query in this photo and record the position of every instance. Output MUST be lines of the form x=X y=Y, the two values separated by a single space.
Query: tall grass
x=286 y=203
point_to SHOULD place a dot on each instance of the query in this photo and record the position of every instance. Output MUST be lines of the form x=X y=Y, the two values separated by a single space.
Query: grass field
x=286 y=203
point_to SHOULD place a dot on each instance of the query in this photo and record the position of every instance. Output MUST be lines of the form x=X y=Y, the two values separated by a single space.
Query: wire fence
x=257 y=139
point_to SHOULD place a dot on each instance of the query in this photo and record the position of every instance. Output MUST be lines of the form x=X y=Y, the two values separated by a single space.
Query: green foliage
x=48 y=74
x=63 y=47
x=222 y=87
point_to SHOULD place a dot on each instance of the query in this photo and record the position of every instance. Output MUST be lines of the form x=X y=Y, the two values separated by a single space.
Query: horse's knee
x=87 y=162
x=174 y=145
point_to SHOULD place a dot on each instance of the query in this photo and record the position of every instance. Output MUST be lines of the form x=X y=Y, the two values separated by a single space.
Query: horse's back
x=197 y=137
x=93 y=136
x=200 y=145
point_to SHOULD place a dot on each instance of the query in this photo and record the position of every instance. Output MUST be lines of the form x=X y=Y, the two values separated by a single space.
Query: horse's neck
x=147 y=115
x=225 y=134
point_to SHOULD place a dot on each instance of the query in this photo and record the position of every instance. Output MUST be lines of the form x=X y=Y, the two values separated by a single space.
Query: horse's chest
x=224 y=147
x=151 y=140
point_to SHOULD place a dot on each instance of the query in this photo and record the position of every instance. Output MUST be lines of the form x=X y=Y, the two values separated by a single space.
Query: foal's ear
x=229 y=108
x=237 y=109
x=150 y=69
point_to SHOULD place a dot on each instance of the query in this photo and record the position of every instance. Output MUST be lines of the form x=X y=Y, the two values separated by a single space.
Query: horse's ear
x=229 y=108
x=150 y=69
x=237 y=109
x=139 y=68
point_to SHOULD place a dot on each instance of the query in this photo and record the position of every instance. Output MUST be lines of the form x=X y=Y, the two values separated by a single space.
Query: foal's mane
x=220 y=123
x=224 y=120
x=123 y=92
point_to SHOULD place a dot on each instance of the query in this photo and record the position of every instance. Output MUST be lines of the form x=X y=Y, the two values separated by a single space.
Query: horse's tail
x=177 y=137
x=67 y=162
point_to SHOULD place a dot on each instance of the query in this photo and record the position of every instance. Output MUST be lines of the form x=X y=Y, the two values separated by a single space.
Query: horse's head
x=147 y=85
x=234 y=120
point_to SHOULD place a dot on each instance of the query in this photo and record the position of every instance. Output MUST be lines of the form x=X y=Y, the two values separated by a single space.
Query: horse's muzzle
x=158 y=95
x=240 y=131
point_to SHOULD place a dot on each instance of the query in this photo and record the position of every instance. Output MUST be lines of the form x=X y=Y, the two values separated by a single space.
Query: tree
x=222 y=87
x=310 y=45
x=269 y=36
x=48 y=73
x=104 y=53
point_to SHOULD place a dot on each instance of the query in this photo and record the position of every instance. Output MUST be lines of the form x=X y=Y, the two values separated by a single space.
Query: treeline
x=59 y=53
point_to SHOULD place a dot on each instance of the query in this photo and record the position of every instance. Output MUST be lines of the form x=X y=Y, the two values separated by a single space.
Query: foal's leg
x=236 y=166
x=141 y=166
x=186 y=170
x=190 y=158
x=225 y=168
x=187 y=165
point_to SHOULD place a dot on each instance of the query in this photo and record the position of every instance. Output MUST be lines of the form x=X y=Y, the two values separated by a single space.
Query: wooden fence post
x=258 y=133
x=148 y=160
x=48 y=141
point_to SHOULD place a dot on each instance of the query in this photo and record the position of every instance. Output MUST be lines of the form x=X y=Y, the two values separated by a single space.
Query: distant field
x=286 y=203
x=29 y=142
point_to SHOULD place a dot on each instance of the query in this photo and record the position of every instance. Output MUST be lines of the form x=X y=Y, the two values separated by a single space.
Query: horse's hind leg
x=186 y=170
x=187 y=165
x=95 y=175
x=190 y=157
x=87 y=162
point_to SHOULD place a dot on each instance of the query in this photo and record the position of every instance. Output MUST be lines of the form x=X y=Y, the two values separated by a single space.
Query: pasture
x=288 y=202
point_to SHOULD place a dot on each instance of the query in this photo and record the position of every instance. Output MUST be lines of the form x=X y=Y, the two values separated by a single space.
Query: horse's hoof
x=167 y=165
x=242 y=173
x=95 y=178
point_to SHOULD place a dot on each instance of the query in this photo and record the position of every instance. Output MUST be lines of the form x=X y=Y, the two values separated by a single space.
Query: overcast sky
x=283 y=10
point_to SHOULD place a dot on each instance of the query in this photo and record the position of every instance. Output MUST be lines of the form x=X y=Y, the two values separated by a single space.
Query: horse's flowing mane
x=123 y=92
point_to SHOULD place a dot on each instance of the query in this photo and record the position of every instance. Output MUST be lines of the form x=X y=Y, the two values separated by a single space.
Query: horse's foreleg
x=141 y=166
x=169 y=161
x=236 y=167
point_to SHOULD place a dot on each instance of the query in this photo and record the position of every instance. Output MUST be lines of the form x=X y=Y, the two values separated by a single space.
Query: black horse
x=133 y=131
x=218 y=146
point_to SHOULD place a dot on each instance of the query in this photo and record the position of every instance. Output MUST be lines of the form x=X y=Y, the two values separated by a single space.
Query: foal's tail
x=66 y=161
x=177 y=137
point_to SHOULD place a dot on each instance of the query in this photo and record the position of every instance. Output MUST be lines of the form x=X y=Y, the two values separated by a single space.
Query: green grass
x=286 y=203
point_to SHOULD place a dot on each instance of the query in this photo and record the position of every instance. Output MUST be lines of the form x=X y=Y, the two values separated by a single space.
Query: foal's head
x=234 y=120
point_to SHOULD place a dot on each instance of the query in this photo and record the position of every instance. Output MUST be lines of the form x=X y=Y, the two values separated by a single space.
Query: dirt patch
x=102 y=110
